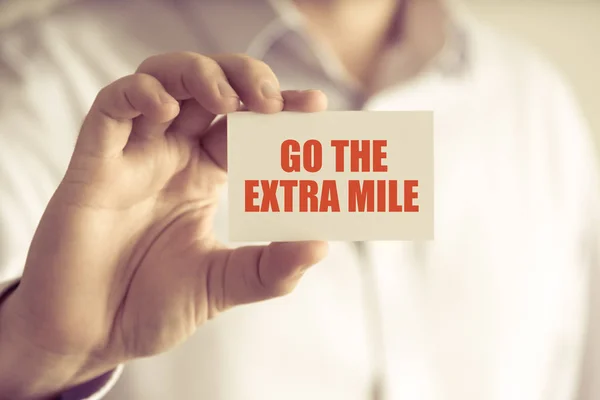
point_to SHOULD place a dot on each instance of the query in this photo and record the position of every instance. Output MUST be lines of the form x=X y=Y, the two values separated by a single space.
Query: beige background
x=566 y=31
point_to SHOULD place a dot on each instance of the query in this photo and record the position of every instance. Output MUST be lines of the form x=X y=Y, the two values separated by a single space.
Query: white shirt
x=495 y=308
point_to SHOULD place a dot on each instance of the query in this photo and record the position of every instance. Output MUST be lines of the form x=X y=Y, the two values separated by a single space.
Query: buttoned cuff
x=7 y=286
x=95 y=389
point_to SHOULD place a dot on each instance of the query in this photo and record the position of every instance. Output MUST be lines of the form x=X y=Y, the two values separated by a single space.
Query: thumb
x=255 y=273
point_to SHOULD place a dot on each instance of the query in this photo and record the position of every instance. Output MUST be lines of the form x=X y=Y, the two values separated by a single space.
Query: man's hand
x=124 y=263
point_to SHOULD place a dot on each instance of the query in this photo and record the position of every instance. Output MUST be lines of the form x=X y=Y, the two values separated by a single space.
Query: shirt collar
x=236 y=25
x=271 y=20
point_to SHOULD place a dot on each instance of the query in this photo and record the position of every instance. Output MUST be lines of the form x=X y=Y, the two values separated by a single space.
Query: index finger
x=187 y=75
x=214 y=141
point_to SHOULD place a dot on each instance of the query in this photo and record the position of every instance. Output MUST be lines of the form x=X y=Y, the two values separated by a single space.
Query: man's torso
x=492 y=309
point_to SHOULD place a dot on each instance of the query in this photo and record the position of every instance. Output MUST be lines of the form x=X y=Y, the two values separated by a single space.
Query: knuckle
x=139 y=80
x=248 y=65
x=203 y=66
x=279 y=289
x=149 y=64
x=136 y=88
x=107 y=96
x=263 y=66
x=104 y=93
x=144 y=65
x=241 y=57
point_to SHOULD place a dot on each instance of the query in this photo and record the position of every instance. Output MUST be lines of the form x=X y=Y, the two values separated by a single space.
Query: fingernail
x=225 y=90
x=270 y=91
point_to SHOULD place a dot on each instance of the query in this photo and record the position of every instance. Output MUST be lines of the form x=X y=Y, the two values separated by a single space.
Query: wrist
x=30 y=372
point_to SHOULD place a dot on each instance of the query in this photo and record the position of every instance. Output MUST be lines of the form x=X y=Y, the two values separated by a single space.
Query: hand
x=124 y=263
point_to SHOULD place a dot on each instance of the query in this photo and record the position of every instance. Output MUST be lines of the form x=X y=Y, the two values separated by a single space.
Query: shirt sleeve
x=95 y=389
x=589 y=384
x=579 y=174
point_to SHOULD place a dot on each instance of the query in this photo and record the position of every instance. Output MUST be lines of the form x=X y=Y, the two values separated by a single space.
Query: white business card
x=334 y=175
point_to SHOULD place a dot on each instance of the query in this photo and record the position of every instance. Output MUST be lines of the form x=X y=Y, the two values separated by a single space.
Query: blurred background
x=565 y=31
